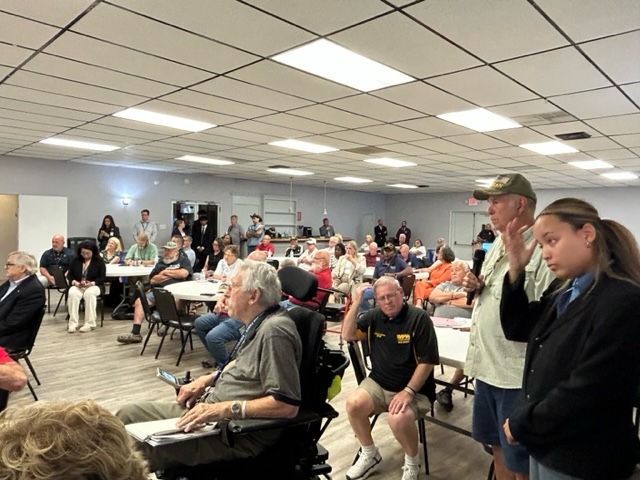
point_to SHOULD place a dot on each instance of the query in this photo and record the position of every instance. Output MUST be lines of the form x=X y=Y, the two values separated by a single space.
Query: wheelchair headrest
x=298 y=283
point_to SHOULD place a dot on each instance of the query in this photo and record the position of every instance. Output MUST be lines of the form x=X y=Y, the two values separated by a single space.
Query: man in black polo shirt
x=58 y=255
x=404 y=350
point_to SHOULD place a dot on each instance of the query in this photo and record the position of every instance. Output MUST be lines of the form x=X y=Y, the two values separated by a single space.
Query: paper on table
x=164 y=432
x=456 y=322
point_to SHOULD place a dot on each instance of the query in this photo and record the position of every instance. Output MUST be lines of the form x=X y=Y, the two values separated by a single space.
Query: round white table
x=114 y=270
x=195 y=291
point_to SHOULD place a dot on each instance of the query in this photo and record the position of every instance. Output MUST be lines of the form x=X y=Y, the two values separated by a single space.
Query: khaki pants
x=199 y=451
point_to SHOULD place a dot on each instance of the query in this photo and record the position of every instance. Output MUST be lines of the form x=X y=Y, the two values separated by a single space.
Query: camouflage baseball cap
x=505 y=184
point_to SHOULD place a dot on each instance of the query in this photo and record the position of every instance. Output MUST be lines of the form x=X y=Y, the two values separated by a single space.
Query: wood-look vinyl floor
x=94 y=366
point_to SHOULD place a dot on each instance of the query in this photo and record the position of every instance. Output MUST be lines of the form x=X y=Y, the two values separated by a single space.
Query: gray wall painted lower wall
x=428 y=215
x=94 y=191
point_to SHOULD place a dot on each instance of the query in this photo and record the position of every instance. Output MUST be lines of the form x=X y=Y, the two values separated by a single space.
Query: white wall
x=94 y=191
x=428 y=215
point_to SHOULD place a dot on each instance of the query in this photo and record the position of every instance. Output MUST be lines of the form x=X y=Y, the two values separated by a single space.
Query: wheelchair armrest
x=304 y=416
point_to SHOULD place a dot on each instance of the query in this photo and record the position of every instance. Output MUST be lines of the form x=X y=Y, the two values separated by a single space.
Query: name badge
x=403 y=338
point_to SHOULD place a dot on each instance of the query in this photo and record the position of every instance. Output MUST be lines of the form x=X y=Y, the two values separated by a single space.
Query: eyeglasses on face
x=8 y=264
x=386 y=298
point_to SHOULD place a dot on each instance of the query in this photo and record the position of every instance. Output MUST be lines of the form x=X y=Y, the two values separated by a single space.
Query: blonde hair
x=118 y=244
x=65 y=440
x=615 y=249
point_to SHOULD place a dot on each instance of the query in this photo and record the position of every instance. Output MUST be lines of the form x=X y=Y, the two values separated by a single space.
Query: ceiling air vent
x=367 y=150
x=573 y=136
x=546 y=118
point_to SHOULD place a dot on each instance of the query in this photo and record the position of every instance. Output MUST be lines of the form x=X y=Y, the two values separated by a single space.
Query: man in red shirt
x=266 y=246
x=320 y=268
x=372 y=256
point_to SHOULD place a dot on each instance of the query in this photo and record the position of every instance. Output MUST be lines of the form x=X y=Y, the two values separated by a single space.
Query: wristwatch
x=236 y=409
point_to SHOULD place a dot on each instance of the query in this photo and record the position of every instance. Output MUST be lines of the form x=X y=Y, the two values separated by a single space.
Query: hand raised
x=519 y=254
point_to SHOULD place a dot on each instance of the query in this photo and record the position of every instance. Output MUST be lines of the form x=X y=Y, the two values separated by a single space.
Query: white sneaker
x=71 y=329
x=363 y=465
x=410 y=473
x=85 y=328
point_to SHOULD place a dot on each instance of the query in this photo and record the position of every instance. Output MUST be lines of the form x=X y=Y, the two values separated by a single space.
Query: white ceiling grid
x=556 y=67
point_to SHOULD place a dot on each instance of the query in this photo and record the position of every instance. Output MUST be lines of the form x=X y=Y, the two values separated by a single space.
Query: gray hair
x=385 y=280
x=25 y=259
x=461 y=263
x=261 y=276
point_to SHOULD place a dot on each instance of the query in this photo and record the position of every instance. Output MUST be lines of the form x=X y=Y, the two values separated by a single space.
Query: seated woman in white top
x=418 y=249
x=365 y=246
x=229 y=265
x=349 y=269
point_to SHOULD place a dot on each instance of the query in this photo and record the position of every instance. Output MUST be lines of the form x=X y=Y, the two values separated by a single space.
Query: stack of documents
x=164 y=432
x=456 y=322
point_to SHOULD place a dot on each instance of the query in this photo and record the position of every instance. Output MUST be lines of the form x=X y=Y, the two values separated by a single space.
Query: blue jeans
x=215 y=330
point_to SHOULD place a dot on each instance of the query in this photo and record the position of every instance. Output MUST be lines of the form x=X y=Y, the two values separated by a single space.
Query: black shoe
x=208 y=364
x=444 y=398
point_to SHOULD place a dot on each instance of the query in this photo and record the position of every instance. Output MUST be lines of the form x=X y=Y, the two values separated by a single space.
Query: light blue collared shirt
x=12 y=286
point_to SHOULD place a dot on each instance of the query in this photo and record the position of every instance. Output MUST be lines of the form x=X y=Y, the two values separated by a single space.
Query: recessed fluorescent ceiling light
x=75 y=144
x=165 y=120
x=336 y=63
x=353 y=180
x=390 y=162
x=549 y=148
x=289 y=171
x=620 y=176
x=304 y=146
x=403 y=185
x=591 y=164
x=480 y=120
x=208 y=161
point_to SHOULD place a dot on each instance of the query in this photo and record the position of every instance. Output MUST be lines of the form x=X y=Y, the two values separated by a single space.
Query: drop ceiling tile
x=4 y=71
x=21 y=32
x=509 y=152
x=184 y=109
x=274 y=131
x=322 y=17
x=234 y=110
x=434 y=127
x=149 y=36
x=614 y=154
x=29 y=95
x=592 y=144
x=13 y=56
x=98 y=76
x=596 y=103
x=424 y=98
x=555 y=73
x=441 y=146
x=414 y=50
x=518 y=136
x=374 y=107
x=483 y=86
x=633 y=91
x=95 y=52
x=494 y=29
x=477 y=141
x=586 y=19
x=223 y=20
x=234 y=136
x=132 y=132
x=394 y=132
x=39 y=118
x=406 y=149
x=299 y=123
x=44 y=83
x=617 y=56
x=291 y=81
x=565 y=127
x=618 y=125
x=632 y=140
x=358 y=138
x=504 y=163
x=334 y=116
x=61 y=15
x=252 y=94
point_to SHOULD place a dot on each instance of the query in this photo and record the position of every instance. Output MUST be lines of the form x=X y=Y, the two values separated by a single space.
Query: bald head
x=57 y=242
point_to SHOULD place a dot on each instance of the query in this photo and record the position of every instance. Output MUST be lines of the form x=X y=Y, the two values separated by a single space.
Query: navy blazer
x=581 y=374
x=20 y=311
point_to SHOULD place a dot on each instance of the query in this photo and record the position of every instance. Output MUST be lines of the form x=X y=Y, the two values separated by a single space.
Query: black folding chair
x=359 y=355
x=61 y=286
x=20 y=353
x=153 y=318
x=171 y=318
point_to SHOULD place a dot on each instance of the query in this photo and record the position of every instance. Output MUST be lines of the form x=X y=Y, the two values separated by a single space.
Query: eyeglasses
x=7 y=265
x=386 y=298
